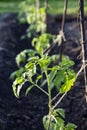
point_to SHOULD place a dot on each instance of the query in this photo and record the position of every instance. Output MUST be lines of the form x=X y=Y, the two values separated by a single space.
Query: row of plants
x=44 y=71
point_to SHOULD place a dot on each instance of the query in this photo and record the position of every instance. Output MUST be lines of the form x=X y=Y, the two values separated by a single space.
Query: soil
x=26 y=113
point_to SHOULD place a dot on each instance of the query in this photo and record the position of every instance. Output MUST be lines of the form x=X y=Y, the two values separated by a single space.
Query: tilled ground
x=26 y=113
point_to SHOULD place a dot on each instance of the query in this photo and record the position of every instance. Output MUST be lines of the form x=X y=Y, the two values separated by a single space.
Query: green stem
x=50 y=103
x=40 y=88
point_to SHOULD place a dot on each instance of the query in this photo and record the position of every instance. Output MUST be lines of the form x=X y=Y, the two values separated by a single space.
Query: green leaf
x=59 y=112
x=30 y=52
x=67 y=85
x=60 y=122
x=34 y=41
x=44 y=62
x=53 y=73
x=31 y=69
x=39 y=48
x=33 y=59
x=28 y=90
x=46 y=122
x=22 y=56
x=54 y=58
x=42 y=42
x=38 y=78
x=29 y=74
x=70 y=126
x=56 y=123
x=17 y=73
x=66 y=62
x=60 y=77
x=53 y=123
x=17 y=85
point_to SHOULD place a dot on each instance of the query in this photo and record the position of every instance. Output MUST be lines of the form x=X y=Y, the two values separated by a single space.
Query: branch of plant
x=49 y=104
x=50 y=48
x=57 y=103
x=54 y=98
x=39 y=88
x=78 y=73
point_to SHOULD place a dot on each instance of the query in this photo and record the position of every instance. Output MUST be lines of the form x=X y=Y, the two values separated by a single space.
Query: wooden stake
x=83 y=42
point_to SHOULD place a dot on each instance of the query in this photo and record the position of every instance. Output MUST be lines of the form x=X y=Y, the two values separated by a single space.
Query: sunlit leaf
x=70 y=126
x=17 y=73
x=17 y=85
x=59 y=112
x=60 y=77
x=67 y=85
x=45 y=122
x=38 y=78
x=66 y=62
x=24 y=55
x=44 y=62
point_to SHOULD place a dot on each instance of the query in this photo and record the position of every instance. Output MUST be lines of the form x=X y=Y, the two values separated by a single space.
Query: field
x=13 y=6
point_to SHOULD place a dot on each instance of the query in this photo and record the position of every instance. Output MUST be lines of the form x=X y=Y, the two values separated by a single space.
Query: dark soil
x=26 y=113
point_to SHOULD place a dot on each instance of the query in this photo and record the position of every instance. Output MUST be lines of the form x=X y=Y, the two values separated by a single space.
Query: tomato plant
x=42 y=70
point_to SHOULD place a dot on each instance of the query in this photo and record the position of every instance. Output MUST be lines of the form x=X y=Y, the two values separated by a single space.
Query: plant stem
x=39 y=88
x=37 y=4
x=46 y=8
x=62 y=29
x=64 y=16
x=54 y=98
x=46 y=5
x=83 y=44
x=50 y=103
x=59 y=100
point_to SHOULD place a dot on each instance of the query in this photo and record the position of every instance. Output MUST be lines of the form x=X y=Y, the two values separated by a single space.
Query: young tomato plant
x=41 y=71
x=34 y=16
x=60 y=76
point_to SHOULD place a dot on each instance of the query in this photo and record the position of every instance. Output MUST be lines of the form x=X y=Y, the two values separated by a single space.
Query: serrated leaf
x=70 y=126
x=59 y=112
x=45 y=122
x=30 y=52
x=17 y=84
x=43 y=41
x=60 y=122
x=44 y=62
x=60 y=77
x=17 y=73
x=19 y=80
x=54 y=58
x=33 y=59
x=67 y=85
x=31 y=68
x=19 y=87
x=66 y=62
x=21 y=57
